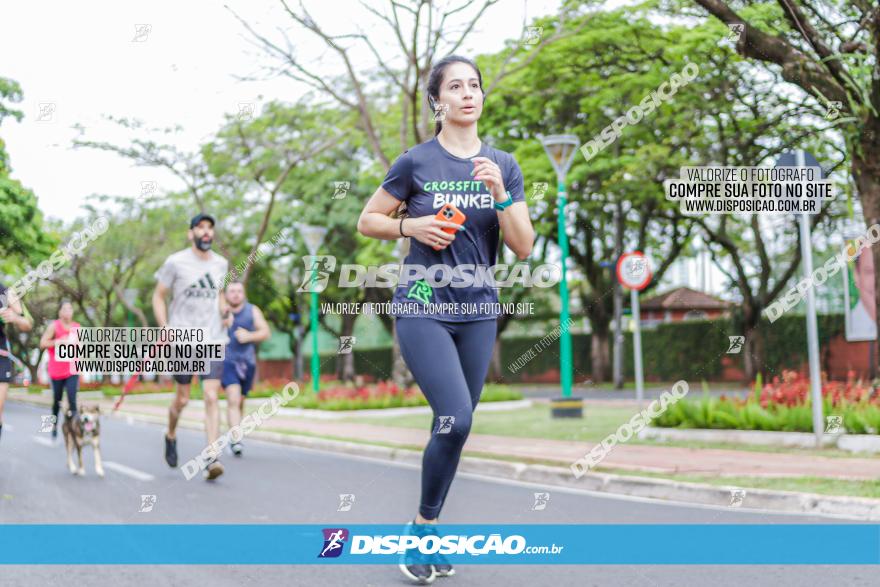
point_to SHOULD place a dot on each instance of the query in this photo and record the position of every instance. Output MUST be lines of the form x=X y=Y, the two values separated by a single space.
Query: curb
x=858 y=508
x=855 y=443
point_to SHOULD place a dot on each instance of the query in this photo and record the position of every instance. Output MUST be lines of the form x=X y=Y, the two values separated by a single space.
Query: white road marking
x=128 y=471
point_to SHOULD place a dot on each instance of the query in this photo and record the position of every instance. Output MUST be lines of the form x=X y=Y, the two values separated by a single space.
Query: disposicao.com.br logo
x=448 y=544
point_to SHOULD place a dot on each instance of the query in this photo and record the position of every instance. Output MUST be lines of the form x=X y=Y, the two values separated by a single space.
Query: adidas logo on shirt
x=203 y=288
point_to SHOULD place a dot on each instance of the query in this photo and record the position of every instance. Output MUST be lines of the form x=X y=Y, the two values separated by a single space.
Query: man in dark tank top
x=240 y=364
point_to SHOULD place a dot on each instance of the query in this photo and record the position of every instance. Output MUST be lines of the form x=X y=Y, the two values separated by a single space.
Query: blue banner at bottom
x=540 y=544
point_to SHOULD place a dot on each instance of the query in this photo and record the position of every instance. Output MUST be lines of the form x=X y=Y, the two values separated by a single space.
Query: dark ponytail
x=436 y=78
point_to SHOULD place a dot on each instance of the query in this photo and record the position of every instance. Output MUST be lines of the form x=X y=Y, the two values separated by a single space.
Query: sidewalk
x=632 y=457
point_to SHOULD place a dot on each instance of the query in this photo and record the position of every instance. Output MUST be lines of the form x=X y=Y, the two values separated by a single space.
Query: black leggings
x=58 y=386
x=449 y=361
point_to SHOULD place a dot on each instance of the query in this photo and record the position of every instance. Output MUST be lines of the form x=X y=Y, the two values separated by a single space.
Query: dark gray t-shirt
x=426 y=177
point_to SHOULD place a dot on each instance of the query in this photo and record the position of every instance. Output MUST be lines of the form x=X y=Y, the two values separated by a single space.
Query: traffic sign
x=634 y=271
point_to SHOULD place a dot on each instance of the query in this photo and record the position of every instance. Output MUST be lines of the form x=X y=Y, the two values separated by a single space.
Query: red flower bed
x=379 y=390
x=793 y=389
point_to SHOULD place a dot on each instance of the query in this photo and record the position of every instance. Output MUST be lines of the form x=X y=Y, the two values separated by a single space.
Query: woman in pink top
x=60 y=372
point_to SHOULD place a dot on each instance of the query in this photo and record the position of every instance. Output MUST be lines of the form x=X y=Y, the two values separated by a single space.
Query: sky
x=164 y=63
x=178 y=63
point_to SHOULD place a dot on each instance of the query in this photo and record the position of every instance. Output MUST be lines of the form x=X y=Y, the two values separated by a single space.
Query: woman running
x=60 y=372
x=448 y=352
x=12 y=312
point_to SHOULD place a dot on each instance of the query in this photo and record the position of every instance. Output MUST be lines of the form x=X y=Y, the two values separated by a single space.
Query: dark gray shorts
x=215 y=372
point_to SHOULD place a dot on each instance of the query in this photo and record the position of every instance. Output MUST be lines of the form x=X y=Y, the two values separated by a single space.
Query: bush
x=782 y=405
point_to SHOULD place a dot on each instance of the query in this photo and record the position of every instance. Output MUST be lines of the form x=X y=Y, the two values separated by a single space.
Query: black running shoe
x=413 y=564
x=54 y=432
x=171 y=452
x=236 y=448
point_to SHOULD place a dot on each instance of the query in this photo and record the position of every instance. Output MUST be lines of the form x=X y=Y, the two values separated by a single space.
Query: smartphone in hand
x=449 y=213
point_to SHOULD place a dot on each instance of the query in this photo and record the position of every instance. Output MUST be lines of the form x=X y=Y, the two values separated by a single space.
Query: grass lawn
x=598 y=422
x=533 y=422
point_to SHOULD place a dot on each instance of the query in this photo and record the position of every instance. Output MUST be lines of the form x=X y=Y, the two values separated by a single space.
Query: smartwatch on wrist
x=505 y=204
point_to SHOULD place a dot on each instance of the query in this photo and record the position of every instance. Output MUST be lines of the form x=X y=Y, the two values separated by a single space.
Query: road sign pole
x=637 y=346
x=812 y=328
x=633 y=272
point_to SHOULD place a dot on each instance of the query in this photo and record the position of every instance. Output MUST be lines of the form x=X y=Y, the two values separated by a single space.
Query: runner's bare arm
x=262 y=331
x=225 y=312
x=374 y=222
x=514 y=222
x=516 y=229
x=159 y=309
x=48 y=338
x=15 y=315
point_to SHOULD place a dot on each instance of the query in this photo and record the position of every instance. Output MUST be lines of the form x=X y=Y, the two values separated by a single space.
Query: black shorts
x=215 y=372
x=6 y=370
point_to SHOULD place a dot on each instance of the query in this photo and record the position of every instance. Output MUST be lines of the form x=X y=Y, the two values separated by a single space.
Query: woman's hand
x=427 y=230
x=9 y=315
x=489 y=173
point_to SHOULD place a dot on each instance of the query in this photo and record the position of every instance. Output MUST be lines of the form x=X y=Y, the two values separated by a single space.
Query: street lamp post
x=561 y=149
x=296 y=319
x=313 y=237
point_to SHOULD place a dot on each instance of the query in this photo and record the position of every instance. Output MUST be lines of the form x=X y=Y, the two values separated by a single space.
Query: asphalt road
x=289 y=485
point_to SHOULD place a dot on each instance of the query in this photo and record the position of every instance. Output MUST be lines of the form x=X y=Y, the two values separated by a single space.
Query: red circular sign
x=633 y=270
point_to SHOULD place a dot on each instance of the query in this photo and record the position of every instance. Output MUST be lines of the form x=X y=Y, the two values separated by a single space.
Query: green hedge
x=693 y=349
x=712 y=413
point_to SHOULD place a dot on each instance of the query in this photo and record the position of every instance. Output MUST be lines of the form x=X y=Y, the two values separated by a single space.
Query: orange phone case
x=457 y=217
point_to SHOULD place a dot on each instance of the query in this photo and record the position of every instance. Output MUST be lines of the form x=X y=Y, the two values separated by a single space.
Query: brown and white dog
x=81 y=429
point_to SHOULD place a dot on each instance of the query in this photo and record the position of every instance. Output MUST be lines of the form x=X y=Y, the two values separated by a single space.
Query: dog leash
x=129 y=385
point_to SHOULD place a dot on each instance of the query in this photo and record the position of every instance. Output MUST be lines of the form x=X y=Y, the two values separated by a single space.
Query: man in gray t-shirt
x=195 y=277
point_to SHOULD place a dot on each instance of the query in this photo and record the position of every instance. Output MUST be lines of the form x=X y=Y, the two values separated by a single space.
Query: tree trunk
x=293 y=344
x=866 y=171
x=599 y=352
x=753 y=349
x=599 y=310
x=300 y=357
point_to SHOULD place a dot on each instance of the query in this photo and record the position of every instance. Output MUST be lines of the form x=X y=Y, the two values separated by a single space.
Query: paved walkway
x=633 y=457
